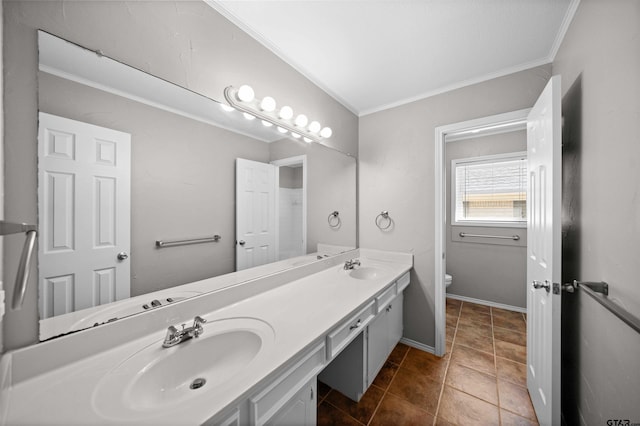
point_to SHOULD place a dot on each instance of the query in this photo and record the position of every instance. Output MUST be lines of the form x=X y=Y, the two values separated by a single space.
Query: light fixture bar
x=253 y=108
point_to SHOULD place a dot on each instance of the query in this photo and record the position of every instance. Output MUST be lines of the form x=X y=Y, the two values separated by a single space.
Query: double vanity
x=252 y=355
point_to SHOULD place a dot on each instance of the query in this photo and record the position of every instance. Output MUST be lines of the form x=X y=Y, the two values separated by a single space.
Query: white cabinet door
x=385 y=331
x=300 y=410
x=395 y=322
x=378 y=345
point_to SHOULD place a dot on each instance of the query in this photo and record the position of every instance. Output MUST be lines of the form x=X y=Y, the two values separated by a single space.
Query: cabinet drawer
x=403 y=282
x=267 y=402
x=387 y=296
x=342 y=335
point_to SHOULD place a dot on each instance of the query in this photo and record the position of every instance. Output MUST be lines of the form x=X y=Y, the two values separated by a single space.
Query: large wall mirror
x=149 y=193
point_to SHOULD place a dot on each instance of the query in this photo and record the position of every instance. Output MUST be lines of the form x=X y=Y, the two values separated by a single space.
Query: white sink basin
x=157 y=378
x=365 y=273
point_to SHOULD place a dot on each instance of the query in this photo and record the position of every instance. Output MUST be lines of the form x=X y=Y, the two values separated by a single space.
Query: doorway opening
x=485 y=126
x=291 y=207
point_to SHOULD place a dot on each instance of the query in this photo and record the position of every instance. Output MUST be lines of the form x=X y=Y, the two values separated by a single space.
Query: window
x=490 y=191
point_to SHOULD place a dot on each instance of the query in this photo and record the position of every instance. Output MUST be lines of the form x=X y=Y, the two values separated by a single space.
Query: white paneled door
x=255 y=213
x=544 y=253
x=83 y=215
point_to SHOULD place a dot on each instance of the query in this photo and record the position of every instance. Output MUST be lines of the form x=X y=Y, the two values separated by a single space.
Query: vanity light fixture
x=314 y=127
x=301 y=120
x=286 y=112
x=326 y=132
x=246 y=93
x=268 y=104
x=243 y=99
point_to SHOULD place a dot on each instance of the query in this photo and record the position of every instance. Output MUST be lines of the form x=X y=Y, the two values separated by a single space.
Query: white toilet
x=447 y=280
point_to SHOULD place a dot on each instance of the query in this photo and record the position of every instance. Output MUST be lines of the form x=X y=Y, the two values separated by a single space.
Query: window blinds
x=491 y=190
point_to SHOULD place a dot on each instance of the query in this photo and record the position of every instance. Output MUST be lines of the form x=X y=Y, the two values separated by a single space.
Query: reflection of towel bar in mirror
x=174 y=243
x=502 y=237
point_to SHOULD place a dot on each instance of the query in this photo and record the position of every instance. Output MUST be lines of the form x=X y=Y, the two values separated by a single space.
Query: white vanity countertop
x=300 y=313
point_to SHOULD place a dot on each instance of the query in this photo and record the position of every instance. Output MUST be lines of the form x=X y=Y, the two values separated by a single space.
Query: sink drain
x=198 y=383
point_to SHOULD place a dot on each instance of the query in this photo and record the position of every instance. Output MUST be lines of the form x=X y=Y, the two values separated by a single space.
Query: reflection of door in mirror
x=84 y=215
x=271 y=207
x=255 y=213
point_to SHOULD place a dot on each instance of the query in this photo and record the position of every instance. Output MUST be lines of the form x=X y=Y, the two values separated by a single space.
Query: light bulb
x=307 y=140
x=326 y=132
x=227 y=107
x=245 y=93
x=266 y=123
x=248 y=116
x=301 y=120
x=314 y=127
x=286 y=112
x=282 y=129
x=268 y=104
x=295 y=135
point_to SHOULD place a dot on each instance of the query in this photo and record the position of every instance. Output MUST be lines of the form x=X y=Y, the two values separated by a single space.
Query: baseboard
x=418 y=345
x=486 y=303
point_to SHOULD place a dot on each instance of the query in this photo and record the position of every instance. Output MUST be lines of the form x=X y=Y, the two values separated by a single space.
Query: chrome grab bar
x=163 y=244
x=22 y=276
x=503 y=237
x=599 y=291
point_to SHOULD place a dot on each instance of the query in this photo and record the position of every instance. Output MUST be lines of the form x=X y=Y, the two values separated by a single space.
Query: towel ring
x=334 y=219
x=384 y=215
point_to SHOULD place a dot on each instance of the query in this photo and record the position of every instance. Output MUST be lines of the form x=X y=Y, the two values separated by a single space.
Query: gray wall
x=487 y=269
x=396 y=174
x=599 y=61
x=290 y=177
x=185 y=42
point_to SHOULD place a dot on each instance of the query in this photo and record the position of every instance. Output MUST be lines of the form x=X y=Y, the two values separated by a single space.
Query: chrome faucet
x=350 y=264
x=175 y=336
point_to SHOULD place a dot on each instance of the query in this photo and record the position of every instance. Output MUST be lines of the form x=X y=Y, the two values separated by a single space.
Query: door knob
x=538 y=284
x=241 y=242
x=123 y=255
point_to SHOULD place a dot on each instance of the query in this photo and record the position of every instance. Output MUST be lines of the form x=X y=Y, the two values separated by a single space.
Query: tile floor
x=481 y=380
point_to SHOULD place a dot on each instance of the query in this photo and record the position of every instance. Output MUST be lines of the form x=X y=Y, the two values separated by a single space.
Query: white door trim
x=466 y=129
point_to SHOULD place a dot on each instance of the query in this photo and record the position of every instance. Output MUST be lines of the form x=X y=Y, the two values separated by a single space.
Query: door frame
x=284 y=162
x=484 y=126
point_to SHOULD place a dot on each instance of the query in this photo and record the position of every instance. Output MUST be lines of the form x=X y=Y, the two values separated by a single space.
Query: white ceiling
x=375 y=54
